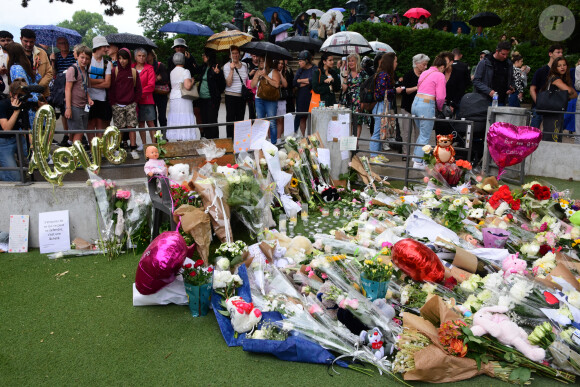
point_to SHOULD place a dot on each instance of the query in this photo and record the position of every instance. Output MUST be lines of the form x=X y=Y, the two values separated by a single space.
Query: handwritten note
x=18 y=240
x=348 y=143
x=242 y=136
x=53 y=231
x=288 y=125
x=336 y=130
x=259 y=133
x=324 y=156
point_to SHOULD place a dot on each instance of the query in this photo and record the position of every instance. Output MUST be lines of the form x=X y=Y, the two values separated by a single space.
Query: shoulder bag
x=192 y=94
x=552 y=99
x=268 y=92
x=315 y=97
x=247 y=94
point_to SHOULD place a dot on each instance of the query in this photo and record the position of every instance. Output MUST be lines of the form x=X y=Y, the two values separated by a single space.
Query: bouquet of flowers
x=195 y=274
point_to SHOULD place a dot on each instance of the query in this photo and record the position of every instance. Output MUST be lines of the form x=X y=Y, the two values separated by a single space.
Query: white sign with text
x=53 y=231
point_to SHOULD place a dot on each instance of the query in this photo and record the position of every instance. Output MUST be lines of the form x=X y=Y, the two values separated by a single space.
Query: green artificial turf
x=80 y=328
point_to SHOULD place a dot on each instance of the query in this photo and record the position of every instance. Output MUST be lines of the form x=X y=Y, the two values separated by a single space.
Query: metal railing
x=22 y=160
x=466 y=137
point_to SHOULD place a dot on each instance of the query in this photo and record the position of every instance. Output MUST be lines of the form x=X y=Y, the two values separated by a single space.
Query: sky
x=43 y=12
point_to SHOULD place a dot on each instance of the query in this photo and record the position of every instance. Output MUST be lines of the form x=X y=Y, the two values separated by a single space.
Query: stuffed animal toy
x=297 y=244
x=444 y=152
x=154 y=166
x=228 y=170
x=331 y=308
x=243 y=314
x=179 y=173
x=493 y=321
x=328 y=193
x=374 y=339
x=513 y=265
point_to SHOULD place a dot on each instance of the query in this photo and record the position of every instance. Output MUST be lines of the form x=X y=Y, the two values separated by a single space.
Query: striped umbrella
x=222 y=41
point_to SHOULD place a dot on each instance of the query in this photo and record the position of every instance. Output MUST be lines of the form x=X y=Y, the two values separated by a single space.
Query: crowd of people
x=106 y=83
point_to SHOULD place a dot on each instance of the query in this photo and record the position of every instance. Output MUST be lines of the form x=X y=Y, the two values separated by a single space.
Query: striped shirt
x=62 y=64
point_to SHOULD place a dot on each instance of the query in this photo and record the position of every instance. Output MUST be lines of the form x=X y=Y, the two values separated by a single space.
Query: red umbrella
x=246 y=15
x=416 y=13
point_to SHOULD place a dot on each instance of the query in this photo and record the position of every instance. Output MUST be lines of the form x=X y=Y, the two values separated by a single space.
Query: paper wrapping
x=219 y=220
x=433 y=364
x=195 y=222
x=562 y=270
x=356 y=164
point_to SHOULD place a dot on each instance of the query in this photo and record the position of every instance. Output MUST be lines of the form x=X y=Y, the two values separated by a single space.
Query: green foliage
x=89 y=25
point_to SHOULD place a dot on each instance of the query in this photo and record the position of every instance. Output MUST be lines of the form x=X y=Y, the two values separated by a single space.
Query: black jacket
x=215 y=82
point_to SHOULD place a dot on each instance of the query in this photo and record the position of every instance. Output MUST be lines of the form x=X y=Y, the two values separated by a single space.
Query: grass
x=80 y=328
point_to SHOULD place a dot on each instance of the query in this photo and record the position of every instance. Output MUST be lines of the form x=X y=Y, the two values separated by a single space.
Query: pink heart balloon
x=509 y=144
x=161 y=262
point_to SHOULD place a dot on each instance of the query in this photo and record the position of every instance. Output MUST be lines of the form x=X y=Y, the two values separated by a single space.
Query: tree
x=112 y=7
x=89 y=25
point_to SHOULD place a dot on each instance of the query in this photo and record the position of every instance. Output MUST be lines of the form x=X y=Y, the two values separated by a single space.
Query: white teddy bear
x=179 y=173
x=243 y=314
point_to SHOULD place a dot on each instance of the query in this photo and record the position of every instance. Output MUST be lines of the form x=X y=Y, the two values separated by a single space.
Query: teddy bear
x=227 y=170
x=374 y=339
x=444 y=152
x=492 y=320
x=328 y=193
x=297 y=244
x=243 y=315
x=513 y=265
x=179 y=173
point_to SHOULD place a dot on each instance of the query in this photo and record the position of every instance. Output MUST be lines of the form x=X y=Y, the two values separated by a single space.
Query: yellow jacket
x=43 y=67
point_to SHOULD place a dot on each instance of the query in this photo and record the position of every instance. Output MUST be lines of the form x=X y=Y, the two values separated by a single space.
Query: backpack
x=57 y=86
x=367 y=94
x=133 y=74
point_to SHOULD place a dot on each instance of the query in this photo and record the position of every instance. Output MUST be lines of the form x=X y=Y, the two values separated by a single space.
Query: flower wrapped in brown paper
x=433 y=364
x=195 y=222
x=365 y=176
x=215 y=204
x=563 y=269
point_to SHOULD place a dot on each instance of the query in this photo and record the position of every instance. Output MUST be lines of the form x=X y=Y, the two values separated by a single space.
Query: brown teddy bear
x=444 y=152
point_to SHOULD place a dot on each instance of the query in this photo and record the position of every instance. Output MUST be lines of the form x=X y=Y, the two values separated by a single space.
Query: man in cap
x=372 y=18
x=481 y=56
x=100 y=74
x=179 y=45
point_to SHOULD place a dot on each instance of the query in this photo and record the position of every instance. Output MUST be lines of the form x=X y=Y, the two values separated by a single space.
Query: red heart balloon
x=417 y=261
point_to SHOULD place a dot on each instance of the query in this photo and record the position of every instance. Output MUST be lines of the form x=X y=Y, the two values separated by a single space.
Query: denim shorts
x=147 y=113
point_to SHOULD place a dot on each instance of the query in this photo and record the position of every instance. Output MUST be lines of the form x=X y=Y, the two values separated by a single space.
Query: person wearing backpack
x=77 y=98
x=100 y=74
x=124 y=93
x=61 y=61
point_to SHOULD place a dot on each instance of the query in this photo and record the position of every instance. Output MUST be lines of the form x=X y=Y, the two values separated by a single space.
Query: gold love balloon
x=65 y=159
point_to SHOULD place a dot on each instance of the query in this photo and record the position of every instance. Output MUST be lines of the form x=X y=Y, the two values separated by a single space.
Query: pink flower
x=311 y=274
x=353 y=303
x=363 y=209
x=123 y=194
x=308 y=268
x=437 y=192
x=425 y=180
x=387 y=244
x=342 y=303
x=314 y=309
x=479 y=179
x=324 y=276
x=544 y=226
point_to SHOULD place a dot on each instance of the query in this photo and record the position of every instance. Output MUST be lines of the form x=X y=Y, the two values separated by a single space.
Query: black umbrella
x=299 y=16
x=443 y=23
x=351 y=4
x=268 y=49
x=485 y=19
x=230 y=27
x=299 y=43
x=130 y=41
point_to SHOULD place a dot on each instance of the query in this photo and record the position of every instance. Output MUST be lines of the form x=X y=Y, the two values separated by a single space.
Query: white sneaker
x=135 y=155
x=419 y=164
x=140 y=148
x=279 y=141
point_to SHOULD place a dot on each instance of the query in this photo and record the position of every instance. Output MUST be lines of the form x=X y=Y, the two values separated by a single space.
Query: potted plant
x=197 y=280
x=376 y=274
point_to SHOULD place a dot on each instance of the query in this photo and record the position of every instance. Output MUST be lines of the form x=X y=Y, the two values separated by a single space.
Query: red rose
x=193 y=274
x=450 y=283
x=188 y=266
x=198 y=263
x=544 y=249
x=210 y=269
x=535 y=187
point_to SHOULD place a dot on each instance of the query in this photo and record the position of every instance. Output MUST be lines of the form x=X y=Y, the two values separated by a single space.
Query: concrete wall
x=78 y=198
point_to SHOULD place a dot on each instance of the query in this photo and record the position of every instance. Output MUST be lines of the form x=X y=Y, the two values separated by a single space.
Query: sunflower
x=294 y=182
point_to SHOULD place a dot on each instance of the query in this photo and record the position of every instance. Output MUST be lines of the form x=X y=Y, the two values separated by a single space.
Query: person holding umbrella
x=274 y=22
x=422 y=24
x=257 y=31
x=299 y=25
x=303 y=82
x=313 y=26
x=326 y=80
x=236 y=75
x=211 y=88
x=266 y=108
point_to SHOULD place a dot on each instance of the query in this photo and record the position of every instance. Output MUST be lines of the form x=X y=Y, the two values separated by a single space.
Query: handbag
x=552 y=99
x=321 y=31
x=249 y=86
x=260 y=36
x=162 y=89
x=192 y=94
x=268 y=92
x=388 y=124
x=314 y=98
x=247 y=94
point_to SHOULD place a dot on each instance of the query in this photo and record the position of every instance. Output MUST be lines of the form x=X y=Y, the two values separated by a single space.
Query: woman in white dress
x=180 y=109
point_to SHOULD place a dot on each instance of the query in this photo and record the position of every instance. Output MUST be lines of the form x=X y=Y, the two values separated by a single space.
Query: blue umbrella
x=281 y=28
x=48 y=34
x=283 y=15
x=337 y=9
x=187 y=27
